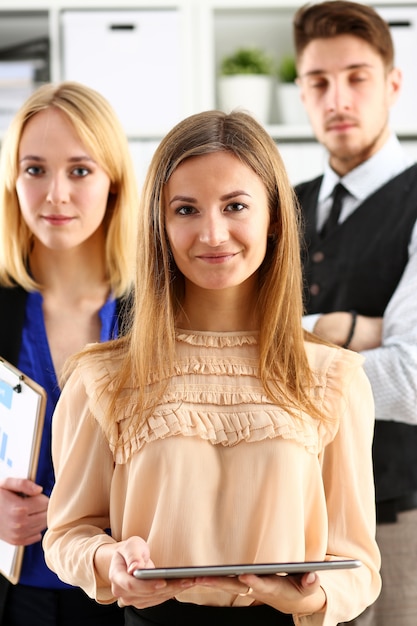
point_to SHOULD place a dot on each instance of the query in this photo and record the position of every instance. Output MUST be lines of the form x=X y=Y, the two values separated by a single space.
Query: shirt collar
x=364 y=179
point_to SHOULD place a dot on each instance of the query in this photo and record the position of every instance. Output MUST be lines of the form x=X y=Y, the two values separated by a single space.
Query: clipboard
x=22 y=414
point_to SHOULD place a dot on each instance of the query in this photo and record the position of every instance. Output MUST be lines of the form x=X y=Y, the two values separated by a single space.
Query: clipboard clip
x=20 y=377
x=18 y=388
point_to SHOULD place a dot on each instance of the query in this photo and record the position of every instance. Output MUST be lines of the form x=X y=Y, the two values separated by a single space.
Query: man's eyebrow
x=352 y=66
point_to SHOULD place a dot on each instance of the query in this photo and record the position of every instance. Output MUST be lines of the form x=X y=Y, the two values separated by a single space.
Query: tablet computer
x=260 y=569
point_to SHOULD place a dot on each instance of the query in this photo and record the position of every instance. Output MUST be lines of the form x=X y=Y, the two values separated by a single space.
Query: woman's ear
x=272 y=235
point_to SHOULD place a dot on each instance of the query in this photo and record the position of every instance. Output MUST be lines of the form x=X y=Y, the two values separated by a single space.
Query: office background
x=158 y=61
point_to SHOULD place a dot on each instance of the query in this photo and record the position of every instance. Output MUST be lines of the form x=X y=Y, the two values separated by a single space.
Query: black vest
x=359 y=267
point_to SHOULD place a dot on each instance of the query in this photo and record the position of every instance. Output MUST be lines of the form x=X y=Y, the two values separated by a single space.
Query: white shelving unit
x=229 y=24
x=146 y=87
x=207 y=30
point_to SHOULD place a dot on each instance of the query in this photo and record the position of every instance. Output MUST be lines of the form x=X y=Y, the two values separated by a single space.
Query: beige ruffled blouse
x=219 y=474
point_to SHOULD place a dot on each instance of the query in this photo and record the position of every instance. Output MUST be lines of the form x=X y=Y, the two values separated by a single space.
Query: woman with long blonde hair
x=68 y=205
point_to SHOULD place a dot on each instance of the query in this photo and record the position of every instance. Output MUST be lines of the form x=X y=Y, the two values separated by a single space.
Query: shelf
x=207 y=30
x=295 y=133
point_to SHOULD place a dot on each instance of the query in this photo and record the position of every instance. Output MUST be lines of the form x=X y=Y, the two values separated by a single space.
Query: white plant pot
x=290 y=107
x=248 y=92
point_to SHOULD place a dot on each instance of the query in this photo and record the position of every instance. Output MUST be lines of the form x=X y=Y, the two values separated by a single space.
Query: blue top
x=36 y=362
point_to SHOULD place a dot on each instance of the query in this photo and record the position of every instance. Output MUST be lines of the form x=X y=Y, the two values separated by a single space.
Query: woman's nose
x=58 y=189
x=213 y=230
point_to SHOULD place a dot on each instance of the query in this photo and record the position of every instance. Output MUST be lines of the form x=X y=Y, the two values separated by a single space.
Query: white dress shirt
x=391 y=368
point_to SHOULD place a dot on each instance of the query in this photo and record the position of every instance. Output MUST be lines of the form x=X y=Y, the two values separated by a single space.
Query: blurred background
x=158 y=61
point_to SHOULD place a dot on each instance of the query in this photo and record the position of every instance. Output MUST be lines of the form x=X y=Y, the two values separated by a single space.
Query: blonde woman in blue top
x=68 y=199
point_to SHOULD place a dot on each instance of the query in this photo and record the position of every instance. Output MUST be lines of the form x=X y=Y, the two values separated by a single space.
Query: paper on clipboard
x=22 y=412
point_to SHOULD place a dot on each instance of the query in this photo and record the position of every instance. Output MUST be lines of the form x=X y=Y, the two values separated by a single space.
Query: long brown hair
x=148 y=350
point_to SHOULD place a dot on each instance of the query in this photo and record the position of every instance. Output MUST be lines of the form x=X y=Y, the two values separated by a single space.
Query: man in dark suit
x=360 y=259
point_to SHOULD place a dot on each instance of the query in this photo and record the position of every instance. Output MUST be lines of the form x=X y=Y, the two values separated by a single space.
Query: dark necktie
x=339 y=193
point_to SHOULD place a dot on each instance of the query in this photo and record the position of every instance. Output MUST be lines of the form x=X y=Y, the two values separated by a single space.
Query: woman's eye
x=80 y=172
x=185 y=210
x=34 y=170
x=235 y=206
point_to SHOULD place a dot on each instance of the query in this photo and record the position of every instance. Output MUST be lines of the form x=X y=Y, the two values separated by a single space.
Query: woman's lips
x=57 y=220
x=216 y=258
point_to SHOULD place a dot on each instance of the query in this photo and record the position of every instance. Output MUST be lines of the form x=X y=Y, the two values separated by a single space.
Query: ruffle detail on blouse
x=207 y=415
x=220 y=340
x=216 y=427
x=223 y=414
x=211 y=365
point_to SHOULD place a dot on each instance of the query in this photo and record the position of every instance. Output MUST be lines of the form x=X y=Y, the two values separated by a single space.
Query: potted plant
x=290 y=107
x=287 y=69
x=245 y=82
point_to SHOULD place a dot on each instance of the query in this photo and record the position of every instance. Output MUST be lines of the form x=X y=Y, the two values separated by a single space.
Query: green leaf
x=247 y=61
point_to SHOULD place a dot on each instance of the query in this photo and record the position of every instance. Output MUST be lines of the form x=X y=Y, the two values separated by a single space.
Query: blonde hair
x=148 y=350
x=101 y=132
